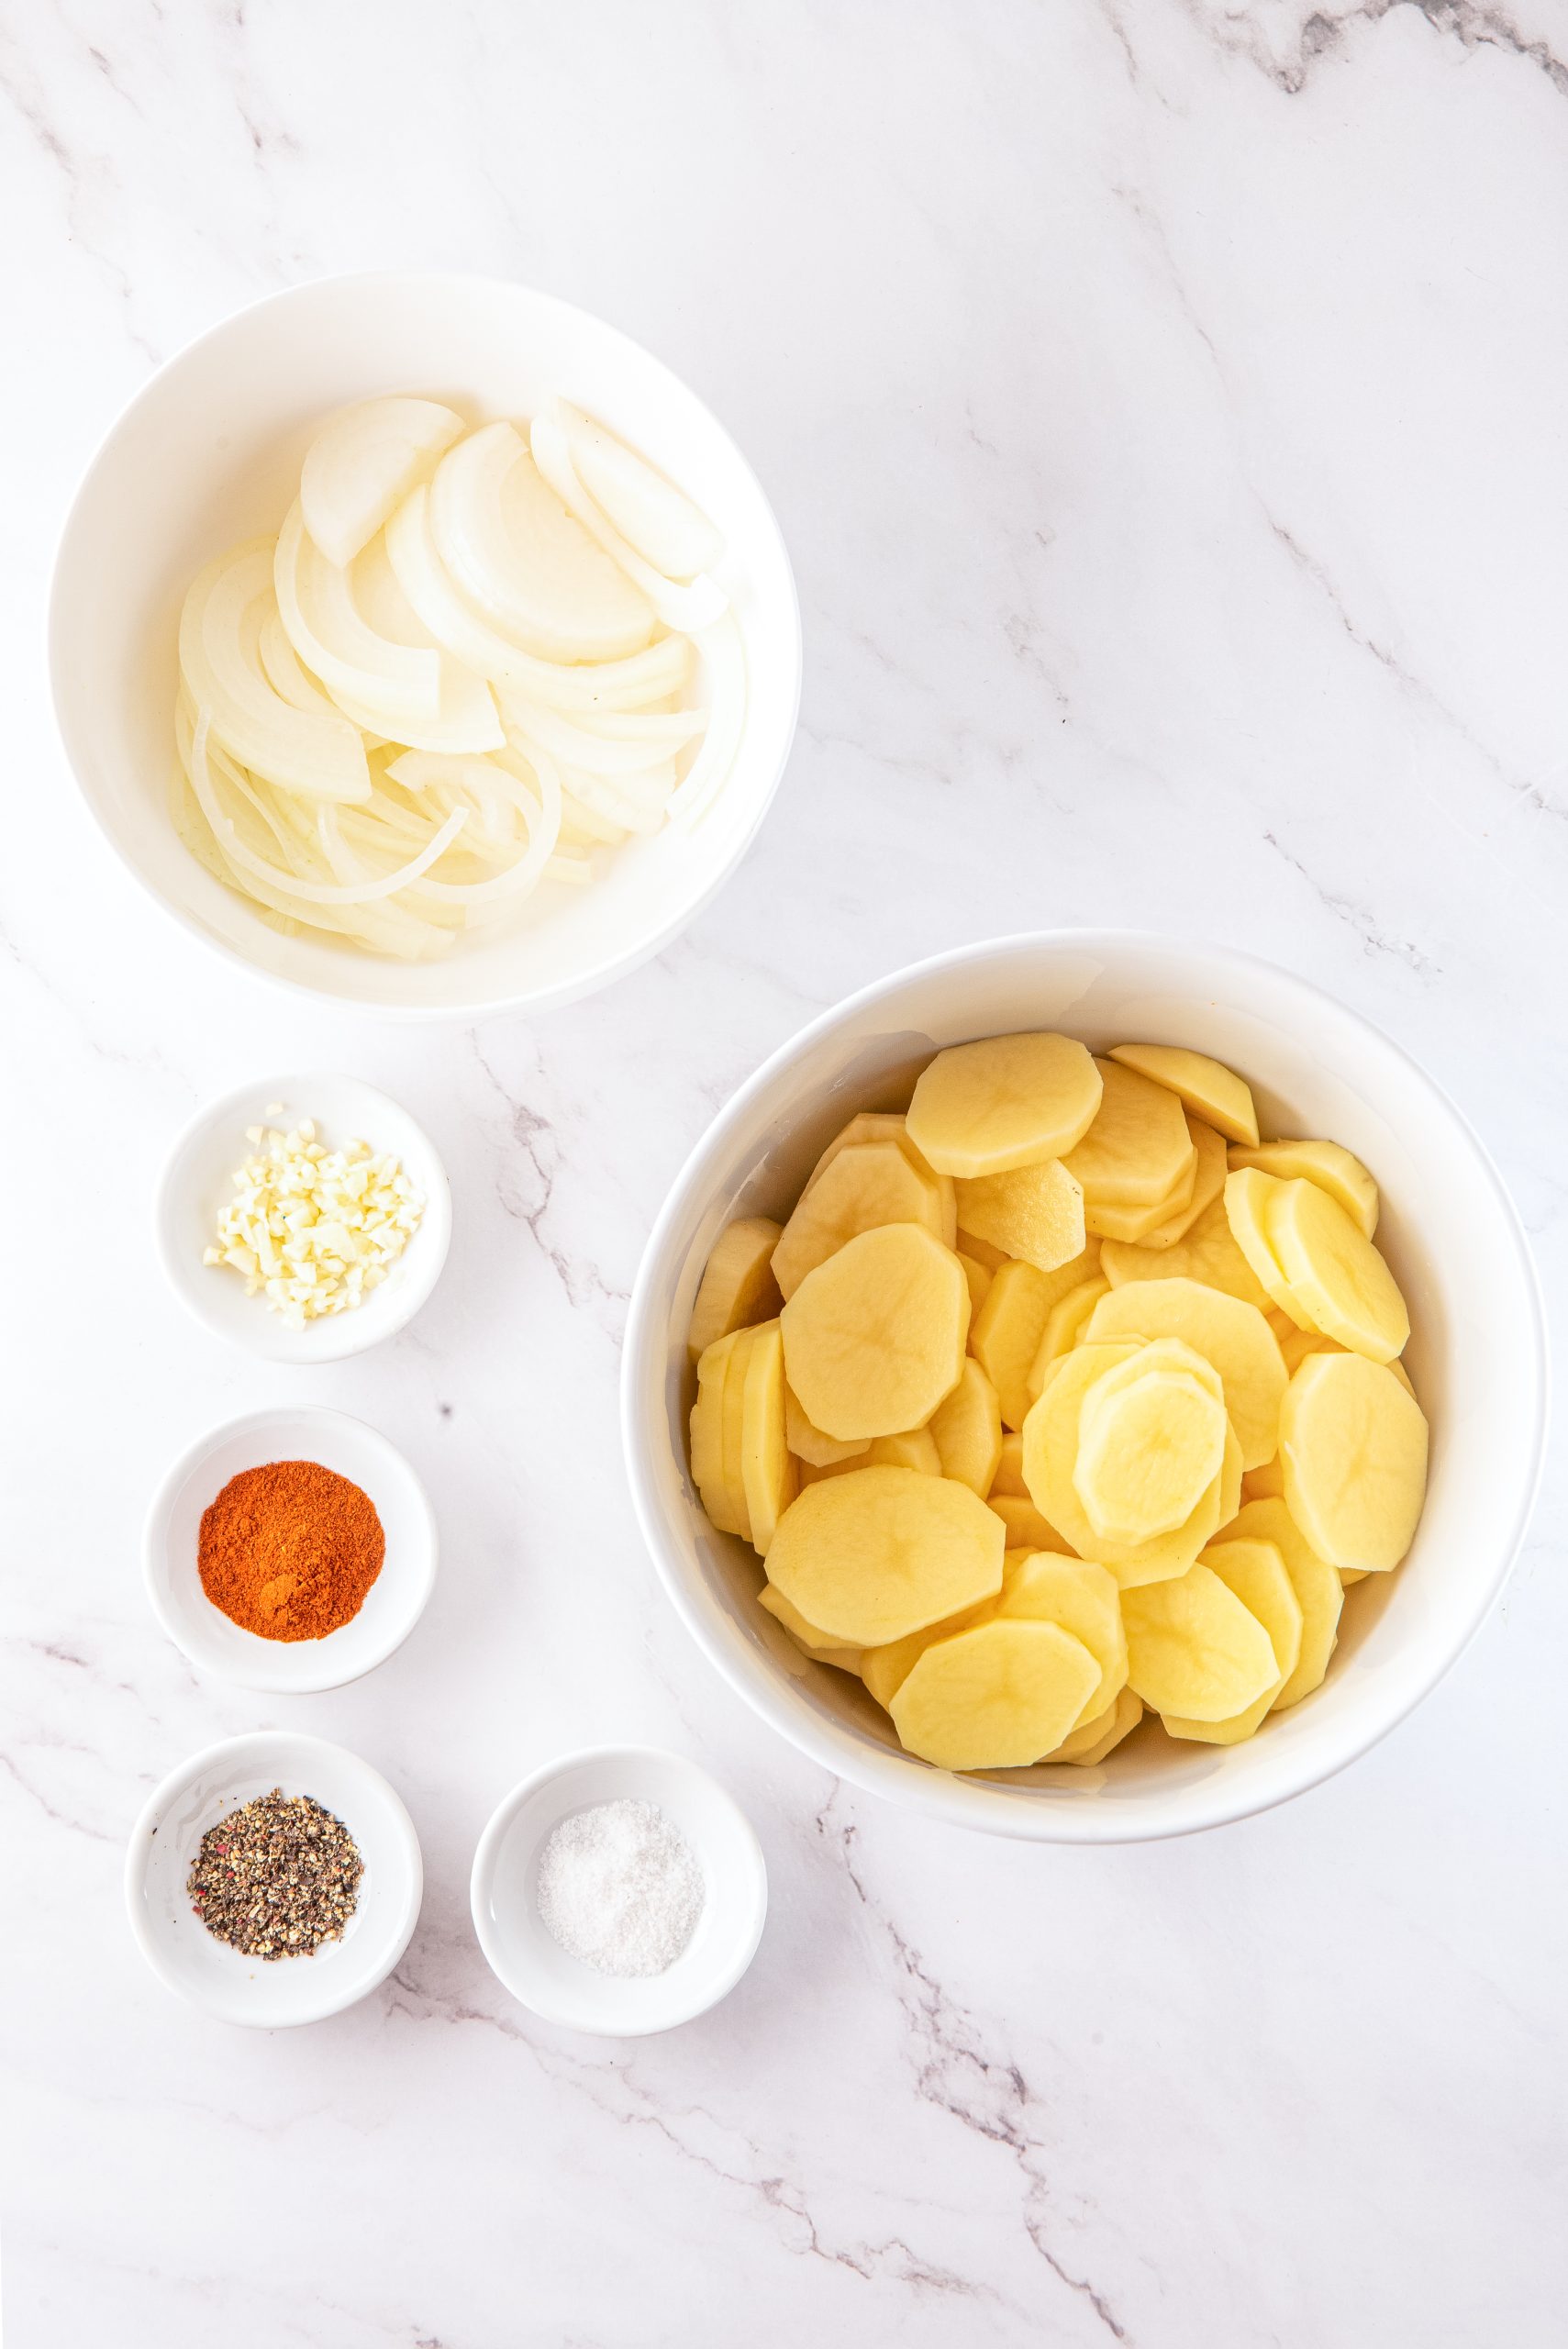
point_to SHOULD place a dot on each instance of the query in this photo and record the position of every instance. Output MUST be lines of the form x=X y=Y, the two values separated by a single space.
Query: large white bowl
x=209 y=453
x=1478 y=1357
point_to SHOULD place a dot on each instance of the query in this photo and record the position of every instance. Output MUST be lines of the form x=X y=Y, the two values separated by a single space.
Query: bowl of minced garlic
x=291 y=1549
x=304 y=1218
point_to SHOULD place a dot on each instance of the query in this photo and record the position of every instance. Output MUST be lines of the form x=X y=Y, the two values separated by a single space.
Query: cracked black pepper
x=277 y=1878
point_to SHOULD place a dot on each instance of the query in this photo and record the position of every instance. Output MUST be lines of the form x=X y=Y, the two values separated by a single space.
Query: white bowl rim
x=138 y=1850
x=482 y=1876
x=616 y=966
x=331 y=1339
x=931 y=1793
x=306 y=1685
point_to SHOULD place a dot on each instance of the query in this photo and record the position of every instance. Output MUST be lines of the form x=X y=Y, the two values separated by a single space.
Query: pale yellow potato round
x=1027 y=1529
x=979 y=1277
x=738 y=1363
x=1151 y=1440
x=1137 y=1225
x=1051 y=1452
x=769 y=1470
x=1089 y=1733
x=1316 y=1587
x=866 y=1185
x=1327 y=1164
x=810 y=1444
x=1233 y=1337
x=1333 y=1268
x=1007 y=1335
x=884 y=1669
x=707 y=1439
x=809 y=1636
x=1065 y=1324
x=1248 y=1197
x=736 y=1287
x=1138 y=1151
x=967 y=1430
x=995 y=1697
x=1193 y=1650
x=874 y=1338
x=970 y=1243
x=1256 y=1573
x=1353 y=1443
x=1004 y=1102
x=1035 y=1213
x=1209 y=1090
x=1124 y=1718
x=1206 y=1252
x=885 y=1126
x=878 y=1553
x=1008 y=1481
x=914 y=1448
x=1080 y=1595
x=1210 y=1171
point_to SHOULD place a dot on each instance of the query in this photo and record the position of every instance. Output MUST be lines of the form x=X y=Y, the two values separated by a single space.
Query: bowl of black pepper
x=273 y=1879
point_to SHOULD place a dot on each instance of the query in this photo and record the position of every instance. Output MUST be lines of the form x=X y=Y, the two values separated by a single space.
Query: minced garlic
x=315 y=1229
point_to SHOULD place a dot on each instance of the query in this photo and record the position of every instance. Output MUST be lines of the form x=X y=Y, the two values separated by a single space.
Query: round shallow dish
x=1478 y=1358
x=167 y=1837
x=394 y=1603
x=197 y=1182
x=534 y=1968
x=209 y=454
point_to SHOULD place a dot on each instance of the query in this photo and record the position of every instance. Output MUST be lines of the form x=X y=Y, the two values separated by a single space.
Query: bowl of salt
x=620 y=1891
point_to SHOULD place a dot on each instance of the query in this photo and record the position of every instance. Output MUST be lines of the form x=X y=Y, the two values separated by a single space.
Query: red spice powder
x=290 y=1549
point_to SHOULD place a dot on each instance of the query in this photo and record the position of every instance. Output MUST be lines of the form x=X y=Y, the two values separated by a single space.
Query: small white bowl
x=394 y=1603
x=538 y=1971
x=269 y=1994
x=209 y=453
x=198 y=1181
x=1477 y=1356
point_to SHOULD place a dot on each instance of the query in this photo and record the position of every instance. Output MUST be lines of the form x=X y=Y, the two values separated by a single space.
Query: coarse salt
x=620 y=1887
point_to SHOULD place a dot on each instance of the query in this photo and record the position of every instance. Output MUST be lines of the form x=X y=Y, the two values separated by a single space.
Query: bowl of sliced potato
x=1088 y=1387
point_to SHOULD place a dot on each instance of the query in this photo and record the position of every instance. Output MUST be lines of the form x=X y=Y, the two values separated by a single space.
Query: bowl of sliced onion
x=423 y=642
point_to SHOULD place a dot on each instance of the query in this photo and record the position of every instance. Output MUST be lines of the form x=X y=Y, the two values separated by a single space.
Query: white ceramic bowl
x=167 y=1837
x=534 y=1968
x=1478 y=1357
x=209 y=453
x=197 y=1182
x=394 y=1603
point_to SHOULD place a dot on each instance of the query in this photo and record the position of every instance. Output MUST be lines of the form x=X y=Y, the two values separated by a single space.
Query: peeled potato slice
x=1333 y=1168
x=1209 y=1090
x=1318 y=1591
x=1027 y=1529
x=707 y=1438
x=879 y=1553
x=866 y=1186
x=1138 y=1151
x=738 y=1363
x=1207 y=1251
x=810 y=1444
x=886 y=1669
x=970 y=1243
x=1139 y=1225
x=1084 y=1600
x=1248 y=1197
x=1209 y=1170
x=995 y=1697
x=873 y=1339
x=809 y=1636
x=1335 y=1271
x=1232 y=1336
x=1009 y=1477
x=1012 y=1322
x=1112 y=1727
x=1004 y=1102
x=1255 y=1572
x=1151 y=1440
x=738 y=1287
x=877 y=1125
x=1035 y=1213
x=768 y=1469
x=1066 y=1324
x=1193 y=1650
x=979 y=1277
x=1353 y=1443
x=967 y=1430
x=914 y=1448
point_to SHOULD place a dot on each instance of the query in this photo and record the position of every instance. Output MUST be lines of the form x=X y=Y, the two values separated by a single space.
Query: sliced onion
x=541 y=809
x=688 y=607
x=589 y=750
x=332 y=636
x=363 y=462
x=299 y=749
x=534 y=574
x=725 y=656
x=654 y=517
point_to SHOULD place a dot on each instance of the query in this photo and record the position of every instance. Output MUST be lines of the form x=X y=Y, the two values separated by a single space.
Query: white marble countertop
x=1163 y=403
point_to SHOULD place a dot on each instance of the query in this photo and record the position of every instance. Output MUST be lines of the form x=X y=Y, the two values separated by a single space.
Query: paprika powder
x=288 y=1551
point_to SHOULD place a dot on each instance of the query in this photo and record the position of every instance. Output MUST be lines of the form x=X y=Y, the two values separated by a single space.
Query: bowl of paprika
x=291 y=1549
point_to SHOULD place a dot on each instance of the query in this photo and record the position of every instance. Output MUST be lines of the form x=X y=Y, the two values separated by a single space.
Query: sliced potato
x=1138 y=1151
x=1234 y=1337
x=1247 y=1195
x=967 y=1430
x=979 y=1277
x=1004 y=1102
x=914 y=1448
x=1335 y=1169
x=1207 y=1251
x=1151 y=1437
x=707 y=1439
x=886 y=1669
x=1193 y=1650
x=1316 y=1587
x=1008 y=1481
x=736 y=1287
x=1026 y=1529
x=866 y=1185
x=1255 y=1572
x=809 y=1443
x=1084 y=1598
x=734 y=1457
x=769 y=1471
x=1123 y=1718
x=1065 y=1324
x=876 y=1125
x=970 y=1243
x=1209 y=1170
x=1353 y=1443
x=878 y=1553
x=1333 y=1269
x=995 y=1697
x=873 y=1339
x=1050 y=1452
x=1136 y=1226
x=1207 y=1088
x=1006 y=1337
x=809 y=1636
x=1035 y=1213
